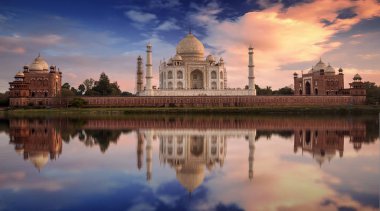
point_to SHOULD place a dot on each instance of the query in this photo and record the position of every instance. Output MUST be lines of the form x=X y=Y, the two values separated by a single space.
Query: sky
x=87 y=37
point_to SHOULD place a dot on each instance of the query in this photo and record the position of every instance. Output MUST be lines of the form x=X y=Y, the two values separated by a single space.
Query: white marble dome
x=190 y=46
x=39 y=64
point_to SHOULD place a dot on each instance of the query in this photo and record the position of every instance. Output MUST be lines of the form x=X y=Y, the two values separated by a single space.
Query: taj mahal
x=190 y=73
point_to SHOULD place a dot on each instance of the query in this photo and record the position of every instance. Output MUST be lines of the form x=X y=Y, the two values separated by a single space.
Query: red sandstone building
x=36 y=81
x=322 y=79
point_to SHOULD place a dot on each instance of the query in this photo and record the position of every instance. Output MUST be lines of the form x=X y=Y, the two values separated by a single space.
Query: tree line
x=90 y=87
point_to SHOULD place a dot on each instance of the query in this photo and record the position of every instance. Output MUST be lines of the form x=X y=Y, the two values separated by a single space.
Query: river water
x=190 y=163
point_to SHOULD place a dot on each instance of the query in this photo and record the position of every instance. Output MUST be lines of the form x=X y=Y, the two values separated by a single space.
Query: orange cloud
x=283 y=36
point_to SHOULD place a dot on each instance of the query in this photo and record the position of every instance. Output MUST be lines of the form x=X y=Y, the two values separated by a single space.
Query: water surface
x=190 y=163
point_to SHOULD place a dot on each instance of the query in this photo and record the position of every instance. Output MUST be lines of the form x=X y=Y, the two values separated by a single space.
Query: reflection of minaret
x=251 y=140
x=149 y=152
x=140 y=149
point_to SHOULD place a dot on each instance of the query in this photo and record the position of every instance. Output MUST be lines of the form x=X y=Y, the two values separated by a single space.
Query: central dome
x=39 y=64
x=190 y=47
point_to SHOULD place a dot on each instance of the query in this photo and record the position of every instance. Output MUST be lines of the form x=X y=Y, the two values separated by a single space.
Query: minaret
x=140 y=149
x=148 y=69
x=139 y=80
x=251 y=76
x=149 y=153
x=251 y=142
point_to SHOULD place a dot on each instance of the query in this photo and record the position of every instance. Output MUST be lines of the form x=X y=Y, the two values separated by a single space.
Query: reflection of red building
x=322 y=144
x=37 y=140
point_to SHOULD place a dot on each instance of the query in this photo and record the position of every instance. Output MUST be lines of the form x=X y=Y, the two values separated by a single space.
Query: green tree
x=372 y=93
x=285 y=91
x=78 y=102
x=66 y=92
x=66 y=86
x=4 y=99
x=81 y=89
x=104 y=87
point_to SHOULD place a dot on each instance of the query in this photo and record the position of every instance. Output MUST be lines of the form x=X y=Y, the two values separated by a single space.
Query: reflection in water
x=192 y=147
x=36 y=140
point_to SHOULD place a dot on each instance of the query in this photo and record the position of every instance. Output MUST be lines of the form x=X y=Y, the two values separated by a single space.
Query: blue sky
x=85 y=38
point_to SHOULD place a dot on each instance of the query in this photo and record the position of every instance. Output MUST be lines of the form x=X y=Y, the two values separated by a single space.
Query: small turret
x=340 y=71
x=295 y=75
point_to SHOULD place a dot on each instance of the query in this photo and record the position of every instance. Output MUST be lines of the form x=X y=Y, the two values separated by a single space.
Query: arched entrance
x=196 y=79
x=307 y=88
x=196 y=145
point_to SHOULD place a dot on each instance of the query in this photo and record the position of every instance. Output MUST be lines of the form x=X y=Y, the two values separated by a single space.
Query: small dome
x=177 y=58
x=170 y=61
x=190 y=47
x=329 y=69
x=39 y=64
x=340 y=70
x=357 y=77
x=19 y=74
x=221 y=60
x=210 y=58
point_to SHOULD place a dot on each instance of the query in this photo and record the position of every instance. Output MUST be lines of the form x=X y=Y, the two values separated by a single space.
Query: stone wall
x=198 y=101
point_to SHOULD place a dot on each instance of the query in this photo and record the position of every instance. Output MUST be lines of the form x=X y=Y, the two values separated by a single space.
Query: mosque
x=190 y=73
x=35 y=84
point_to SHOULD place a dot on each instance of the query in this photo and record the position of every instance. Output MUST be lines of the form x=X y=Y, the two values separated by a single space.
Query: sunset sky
x=87 y=37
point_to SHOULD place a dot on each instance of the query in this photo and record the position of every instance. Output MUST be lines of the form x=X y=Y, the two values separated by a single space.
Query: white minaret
x=148 y=69
x=251 y=76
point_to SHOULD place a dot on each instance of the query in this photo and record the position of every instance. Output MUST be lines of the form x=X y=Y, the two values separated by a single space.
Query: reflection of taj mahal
x=189 y=152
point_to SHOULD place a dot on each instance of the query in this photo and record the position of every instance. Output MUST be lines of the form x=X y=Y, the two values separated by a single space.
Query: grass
x=79 y=112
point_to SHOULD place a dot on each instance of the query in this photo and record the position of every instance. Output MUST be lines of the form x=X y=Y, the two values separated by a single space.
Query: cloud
x=140 y=17
x=280 y=36
x=205 y=15
x=168 y=25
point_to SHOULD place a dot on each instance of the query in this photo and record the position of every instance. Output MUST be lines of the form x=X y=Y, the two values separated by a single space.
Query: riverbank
x=332 y=110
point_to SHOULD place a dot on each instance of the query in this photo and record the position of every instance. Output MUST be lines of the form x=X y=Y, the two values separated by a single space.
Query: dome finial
x=189 y=29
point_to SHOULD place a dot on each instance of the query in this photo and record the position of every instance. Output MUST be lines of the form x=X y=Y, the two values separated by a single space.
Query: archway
x=196 y=145
x=307 y=88
x=196 y=78
x=316 y=91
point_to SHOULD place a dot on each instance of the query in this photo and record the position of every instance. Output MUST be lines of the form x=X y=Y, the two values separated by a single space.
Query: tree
x=78 y=102
x=104 y=87
x=81 y=89
x=284 y=91
x=4 y=99
x=66 y=86
x=126 y=94
x=89 y=83
x=68 y=91
x=373 y=93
